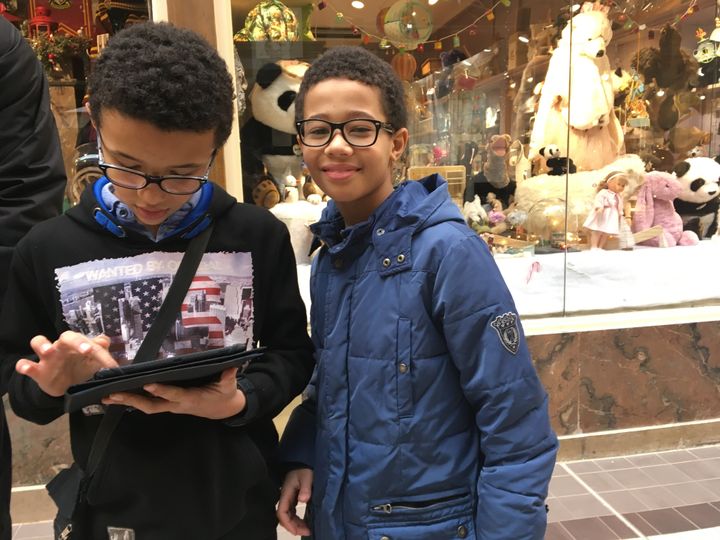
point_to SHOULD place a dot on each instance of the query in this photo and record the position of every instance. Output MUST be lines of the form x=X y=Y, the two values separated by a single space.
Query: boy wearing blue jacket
x=425 y=417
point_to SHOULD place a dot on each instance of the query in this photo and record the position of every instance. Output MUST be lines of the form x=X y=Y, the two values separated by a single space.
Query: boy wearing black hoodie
x=84 y=289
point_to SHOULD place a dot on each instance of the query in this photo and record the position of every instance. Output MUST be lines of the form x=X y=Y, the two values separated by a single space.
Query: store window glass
x=67 y=36
x=579 y=139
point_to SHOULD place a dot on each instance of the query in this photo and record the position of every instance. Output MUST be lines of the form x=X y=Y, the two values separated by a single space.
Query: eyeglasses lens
x=356 y=132
x=130 y=180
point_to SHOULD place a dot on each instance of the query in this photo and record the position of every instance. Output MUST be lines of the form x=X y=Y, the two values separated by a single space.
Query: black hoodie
x=166 y=475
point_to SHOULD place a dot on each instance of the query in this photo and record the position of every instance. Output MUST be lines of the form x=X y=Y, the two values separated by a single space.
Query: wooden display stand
x=640 y=236
x=454 y=174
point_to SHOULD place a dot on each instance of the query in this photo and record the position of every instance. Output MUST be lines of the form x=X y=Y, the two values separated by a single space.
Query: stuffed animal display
x=496 y=167
x=658 y=159
x=586 y=110
x=669 y=68
x=475 y=215
x=579 y=189
x=683 y=139
x=558 y=165
x=445 y=82
x=494 y=177
x=267 y=139
x=518 y=162
x=707 y=54
x=655 y=207
x=699 y=201
x=270 y=20
x=311 y=191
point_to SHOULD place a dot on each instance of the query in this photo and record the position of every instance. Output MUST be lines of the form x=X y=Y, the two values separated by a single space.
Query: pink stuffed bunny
x=655 y=207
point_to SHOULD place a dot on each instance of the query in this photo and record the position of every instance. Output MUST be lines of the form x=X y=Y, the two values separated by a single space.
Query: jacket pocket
x=441 y=518
x=404 y=368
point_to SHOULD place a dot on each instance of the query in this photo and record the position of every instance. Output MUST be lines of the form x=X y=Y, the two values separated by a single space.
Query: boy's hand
x=72 y=359
x=216 y=401
x=296 y=488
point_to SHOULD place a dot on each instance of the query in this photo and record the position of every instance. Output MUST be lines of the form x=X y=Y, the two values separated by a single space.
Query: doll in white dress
x=606 y=217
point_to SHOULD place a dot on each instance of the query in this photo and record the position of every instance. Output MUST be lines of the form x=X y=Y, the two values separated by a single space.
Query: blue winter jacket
x=425 y=418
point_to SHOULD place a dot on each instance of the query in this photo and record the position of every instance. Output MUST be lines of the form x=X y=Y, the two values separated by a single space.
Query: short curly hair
x=168 y=76
x=357 y=64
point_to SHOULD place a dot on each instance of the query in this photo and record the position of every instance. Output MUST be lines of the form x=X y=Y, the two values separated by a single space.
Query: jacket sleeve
x=280 y=325
x=486 y=343
x=297 y=445
x=32 y=174
x=24 y=315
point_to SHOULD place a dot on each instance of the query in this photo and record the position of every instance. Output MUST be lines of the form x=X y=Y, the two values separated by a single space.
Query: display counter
x=613 y=280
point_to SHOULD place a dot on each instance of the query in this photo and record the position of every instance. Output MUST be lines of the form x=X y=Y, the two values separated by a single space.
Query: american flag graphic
x=128 y=309
x=203 y=308
x=121 y=298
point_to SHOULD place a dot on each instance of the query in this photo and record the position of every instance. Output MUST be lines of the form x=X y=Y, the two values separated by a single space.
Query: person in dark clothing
x=185 y=462
x=32 y=181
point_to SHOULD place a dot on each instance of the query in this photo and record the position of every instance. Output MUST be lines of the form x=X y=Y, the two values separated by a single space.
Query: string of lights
x=487 y=14
x=628 y=21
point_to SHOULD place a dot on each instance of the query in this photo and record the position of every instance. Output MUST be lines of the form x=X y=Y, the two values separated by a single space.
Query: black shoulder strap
x=151 y=344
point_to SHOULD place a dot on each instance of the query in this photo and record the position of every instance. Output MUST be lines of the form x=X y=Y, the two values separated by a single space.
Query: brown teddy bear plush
x=672 y=69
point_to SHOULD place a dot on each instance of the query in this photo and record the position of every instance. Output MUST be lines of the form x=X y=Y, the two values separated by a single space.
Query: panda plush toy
x=558 y=165
x=269 y=147
x=699 y=202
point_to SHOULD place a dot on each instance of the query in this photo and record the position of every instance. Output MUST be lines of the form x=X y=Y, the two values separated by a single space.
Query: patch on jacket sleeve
x=506 y=327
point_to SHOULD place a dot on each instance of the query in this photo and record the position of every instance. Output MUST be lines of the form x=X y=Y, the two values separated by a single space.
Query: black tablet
x=194 y=369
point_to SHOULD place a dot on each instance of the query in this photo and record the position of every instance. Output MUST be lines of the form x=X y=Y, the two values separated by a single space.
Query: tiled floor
x=669 y=495
x=640 y=496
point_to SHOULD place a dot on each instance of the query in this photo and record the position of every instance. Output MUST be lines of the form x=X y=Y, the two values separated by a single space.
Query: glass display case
x=542 y=113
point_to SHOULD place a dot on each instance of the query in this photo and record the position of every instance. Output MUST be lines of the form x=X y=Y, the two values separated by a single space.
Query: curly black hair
x=168 y=76
x=357 y=64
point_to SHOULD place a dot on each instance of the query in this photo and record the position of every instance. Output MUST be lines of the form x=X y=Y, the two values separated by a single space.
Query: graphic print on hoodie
x=120 y=298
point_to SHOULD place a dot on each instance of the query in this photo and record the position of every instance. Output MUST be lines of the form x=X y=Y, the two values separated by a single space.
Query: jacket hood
x=92 y=212
x=412 y=207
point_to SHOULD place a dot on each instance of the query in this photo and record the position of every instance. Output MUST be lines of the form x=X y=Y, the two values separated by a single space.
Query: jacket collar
x=412 y=206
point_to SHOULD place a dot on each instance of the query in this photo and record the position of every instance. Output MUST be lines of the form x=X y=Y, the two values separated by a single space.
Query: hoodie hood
x=411 y=208
x=96 y=209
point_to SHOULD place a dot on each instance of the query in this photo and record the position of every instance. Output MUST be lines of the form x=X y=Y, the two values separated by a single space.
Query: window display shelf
x=600 y=281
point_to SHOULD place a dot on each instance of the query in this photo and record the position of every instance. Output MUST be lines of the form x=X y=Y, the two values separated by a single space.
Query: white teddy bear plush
x=580 y=63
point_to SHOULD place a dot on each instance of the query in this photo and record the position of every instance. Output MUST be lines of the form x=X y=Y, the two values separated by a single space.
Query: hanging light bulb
x=357 y=4
x=432 y=2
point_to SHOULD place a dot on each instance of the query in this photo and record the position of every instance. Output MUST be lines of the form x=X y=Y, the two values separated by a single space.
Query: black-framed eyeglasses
x=360 y=132
x=175 y=184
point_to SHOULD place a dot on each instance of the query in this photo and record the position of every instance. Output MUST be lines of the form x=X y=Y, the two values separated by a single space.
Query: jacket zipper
x=388 y=508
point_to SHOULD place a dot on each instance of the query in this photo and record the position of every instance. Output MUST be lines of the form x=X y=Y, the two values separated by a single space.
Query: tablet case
x=194 y=369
